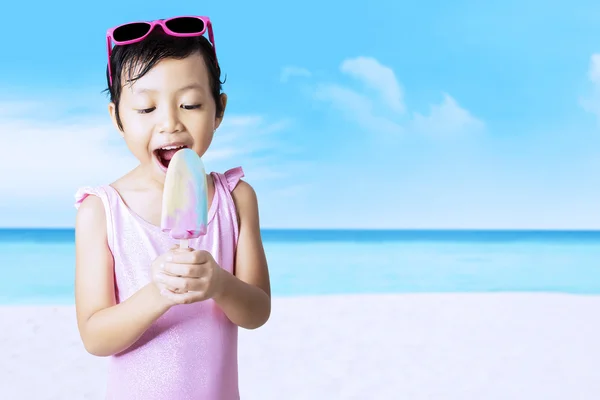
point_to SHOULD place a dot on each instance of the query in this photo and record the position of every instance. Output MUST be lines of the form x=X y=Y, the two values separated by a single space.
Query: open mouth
x=165 y=154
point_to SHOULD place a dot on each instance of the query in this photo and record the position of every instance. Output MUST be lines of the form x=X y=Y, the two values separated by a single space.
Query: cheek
x=204 y=133
x=137 y=136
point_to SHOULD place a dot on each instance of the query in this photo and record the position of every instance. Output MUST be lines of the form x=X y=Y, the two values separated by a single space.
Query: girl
x=168 y=317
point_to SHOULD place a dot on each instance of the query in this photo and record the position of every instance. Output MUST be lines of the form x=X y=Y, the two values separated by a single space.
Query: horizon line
x=40 y=228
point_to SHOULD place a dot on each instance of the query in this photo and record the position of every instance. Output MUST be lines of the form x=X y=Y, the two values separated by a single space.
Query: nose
x=169 y=120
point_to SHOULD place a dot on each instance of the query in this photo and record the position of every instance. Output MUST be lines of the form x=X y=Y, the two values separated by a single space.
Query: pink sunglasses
x=133 y=32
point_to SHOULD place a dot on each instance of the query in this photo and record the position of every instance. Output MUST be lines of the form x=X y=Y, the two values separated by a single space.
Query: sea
x=37 y=265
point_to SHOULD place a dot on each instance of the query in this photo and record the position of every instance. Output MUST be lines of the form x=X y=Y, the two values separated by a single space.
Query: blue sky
x=439 y=114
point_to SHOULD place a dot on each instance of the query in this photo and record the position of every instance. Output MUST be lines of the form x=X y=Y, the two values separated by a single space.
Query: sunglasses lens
x=130 y=31
x=185 y=25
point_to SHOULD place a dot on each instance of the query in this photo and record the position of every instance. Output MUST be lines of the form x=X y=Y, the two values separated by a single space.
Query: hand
x=156 y=268
x=189 y=276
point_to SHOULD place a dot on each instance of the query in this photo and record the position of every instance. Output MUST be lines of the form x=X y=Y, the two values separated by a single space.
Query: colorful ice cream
x=185 y=198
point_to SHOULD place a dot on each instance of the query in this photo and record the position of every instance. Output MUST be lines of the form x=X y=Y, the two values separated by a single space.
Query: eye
x=146 y=110
x=190 y=107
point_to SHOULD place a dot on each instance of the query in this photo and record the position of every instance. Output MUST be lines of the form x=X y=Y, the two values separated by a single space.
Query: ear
x=219 y=118
x=112 y=110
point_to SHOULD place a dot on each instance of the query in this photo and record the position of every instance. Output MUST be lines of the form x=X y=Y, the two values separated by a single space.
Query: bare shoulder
x=246 y=201
x=244 y=193
x=91 y=215
x=91 y=235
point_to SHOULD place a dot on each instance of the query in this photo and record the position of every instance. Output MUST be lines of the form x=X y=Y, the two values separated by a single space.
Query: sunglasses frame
x=152 y=25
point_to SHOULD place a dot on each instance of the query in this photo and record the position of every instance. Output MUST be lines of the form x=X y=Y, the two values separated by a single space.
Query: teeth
x=172 y=147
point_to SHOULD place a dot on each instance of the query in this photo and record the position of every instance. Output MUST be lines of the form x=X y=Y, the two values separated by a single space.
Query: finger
x=189 y=257
x=170 y=290
x=180 y=283
x=185 y=270
x=183 y=298
x=166 y=286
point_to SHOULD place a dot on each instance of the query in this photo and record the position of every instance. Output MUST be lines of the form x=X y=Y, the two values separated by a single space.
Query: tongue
x=168 y=154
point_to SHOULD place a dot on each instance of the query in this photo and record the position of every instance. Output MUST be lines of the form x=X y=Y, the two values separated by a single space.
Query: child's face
x=169 y=106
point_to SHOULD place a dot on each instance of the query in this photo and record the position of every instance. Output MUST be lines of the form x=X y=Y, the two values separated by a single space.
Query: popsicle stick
x=183 y=243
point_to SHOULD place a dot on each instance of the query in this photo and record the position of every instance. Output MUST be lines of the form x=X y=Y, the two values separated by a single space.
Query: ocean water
x=37 y=265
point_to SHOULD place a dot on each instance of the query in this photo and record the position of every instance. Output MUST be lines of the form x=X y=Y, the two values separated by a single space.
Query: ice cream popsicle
x=185 y=198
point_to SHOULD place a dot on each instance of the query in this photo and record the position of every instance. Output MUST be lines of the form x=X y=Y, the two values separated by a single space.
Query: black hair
x=139 y=58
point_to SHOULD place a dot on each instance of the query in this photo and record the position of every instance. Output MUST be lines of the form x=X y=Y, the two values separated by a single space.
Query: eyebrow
x=191 y=86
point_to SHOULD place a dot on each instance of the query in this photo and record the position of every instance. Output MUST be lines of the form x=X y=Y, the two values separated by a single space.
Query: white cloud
x=446 y=119
x=377 y=77
x=48 y=158
x=16 y=108
x=356 y=106
x=291 y=71
x=241 y=135
x=381 y=108
x=594 y=72
x=591 y=103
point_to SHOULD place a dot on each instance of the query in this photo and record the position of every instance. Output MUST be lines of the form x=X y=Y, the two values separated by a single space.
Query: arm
x=246 y=296
x=106 y=328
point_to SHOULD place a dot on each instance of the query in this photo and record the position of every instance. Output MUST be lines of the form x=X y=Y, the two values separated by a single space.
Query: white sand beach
x=413 y=347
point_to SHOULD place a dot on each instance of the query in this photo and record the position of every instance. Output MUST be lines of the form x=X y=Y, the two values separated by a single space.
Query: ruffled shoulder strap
x=224 y=185
x=233 y=177
x=83 y=192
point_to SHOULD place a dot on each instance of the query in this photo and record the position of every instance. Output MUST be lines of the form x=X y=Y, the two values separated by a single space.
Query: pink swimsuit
x=191 y=351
